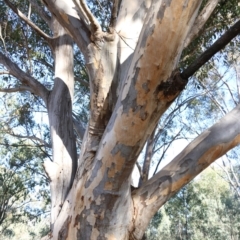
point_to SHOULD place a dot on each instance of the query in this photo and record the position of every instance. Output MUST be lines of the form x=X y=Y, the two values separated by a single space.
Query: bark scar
x=173 y=85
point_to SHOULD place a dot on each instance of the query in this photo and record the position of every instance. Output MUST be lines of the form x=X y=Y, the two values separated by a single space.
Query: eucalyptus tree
x=136 y=58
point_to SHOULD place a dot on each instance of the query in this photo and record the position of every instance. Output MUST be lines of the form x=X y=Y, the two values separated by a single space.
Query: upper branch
x=29 y=22
x=86 y=13
x=201 y=20
x=93 y=25
x=41 y=12
x=231 y=33
x=26 y=79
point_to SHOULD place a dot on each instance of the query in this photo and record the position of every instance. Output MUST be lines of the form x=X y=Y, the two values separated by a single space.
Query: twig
x=29 y=22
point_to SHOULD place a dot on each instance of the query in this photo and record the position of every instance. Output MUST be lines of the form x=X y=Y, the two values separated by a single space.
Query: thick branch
x=67 y=15
x=35 y=86
x=29 y=22
x=231 y=33
x=198 y=155
x=201 y=20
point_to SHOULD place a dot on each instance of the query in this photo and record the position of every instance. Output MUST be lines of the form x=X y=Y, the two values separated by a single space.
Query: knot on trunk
x=173 y=85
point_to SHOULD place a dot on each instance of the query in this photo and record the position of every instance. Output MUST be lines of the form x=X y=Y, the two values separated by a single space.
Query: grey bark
x=63 y=168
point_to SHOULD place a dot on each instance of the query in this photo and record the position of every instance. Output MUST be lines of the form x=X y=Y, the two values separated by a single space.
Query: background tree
x=135 y=59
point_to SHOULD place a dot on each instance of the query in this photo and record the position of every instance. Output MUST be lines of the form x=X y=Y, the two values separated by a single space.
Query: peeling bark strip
x=199 y=154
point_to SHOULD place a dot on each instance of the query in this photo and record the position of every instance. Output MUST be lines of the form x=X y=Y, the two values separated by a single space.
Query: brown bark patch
x=173 y=85
x=108 y=186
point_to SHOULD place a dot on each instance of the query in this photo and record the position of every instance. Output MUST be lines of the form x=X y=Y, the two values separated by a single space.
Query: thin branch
x=93 y=21
x=230 y=91
x=45 y=63
x=78 y=127
x=165 y=150
x=21 y=145
x=231 y=33
x=237 y=68
x=29 y=22
x=124 y=40
x=147 y=158
x=211 y=96
x=83 y=82
x=2 y=38
x=27 y=50
x=17 y=89
x=233 y=173
x=31 y=138
x=26 y=79
x=201 y=20
x=29 y=11
x=41 y=12
x=4 y=72
x=139 y=168
x=230 y=181
x=82 y=14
